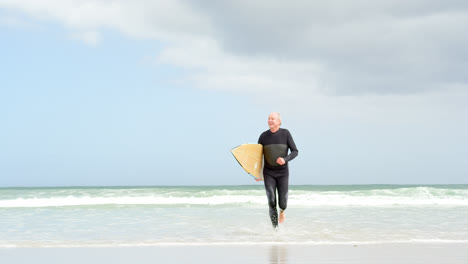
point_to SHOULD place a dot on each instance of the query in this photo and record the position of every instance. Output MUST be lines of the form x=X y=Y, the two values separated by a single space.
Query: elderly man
x=276 y=141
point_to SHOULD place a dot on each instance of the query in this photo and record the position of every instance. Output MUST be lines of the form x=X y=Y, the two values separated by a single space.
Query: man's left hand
x=280 y=161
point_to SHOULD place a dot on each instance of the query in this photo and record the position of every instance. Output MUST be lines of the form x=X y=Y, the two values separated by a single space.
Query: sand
x=401 y=253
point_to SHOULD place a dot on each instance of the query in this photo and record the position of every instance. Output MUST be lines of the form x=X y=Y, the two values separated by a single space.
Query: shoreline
x=239 y=244
x=410 y=252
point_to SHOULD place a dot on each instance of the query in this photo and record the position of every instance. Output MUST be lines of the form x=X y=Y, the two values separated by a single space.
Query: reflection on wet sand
x=278 y=254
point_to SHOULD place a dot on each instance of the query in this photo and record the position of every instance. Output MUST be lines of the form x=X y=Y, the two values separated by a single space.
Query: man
x=276 y=141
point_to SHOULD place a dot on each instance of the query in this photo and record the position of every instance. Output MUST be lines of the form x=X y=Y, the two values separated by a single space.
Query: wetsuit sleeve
x=292 y=147
x=260 y=139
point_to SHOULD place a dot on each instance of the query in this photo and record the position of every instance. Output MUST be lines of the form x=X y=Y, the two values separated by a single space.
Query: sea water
x=199 y=215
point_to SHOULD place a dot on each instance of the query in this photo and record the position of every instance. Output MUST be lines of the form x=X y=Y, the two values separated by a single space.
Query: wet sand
x=427 y=253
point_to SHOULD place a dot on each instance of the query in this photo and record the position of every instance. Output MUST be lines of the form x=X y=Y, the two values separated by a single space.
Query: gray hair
x=278 y=115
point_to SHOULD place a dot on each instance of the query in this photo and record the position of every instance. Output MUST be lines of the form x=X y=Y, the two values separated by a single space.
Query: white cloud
x=17 y=22
x=91 y=38
x=318 y=48
x=161 y=20
x=213 y=69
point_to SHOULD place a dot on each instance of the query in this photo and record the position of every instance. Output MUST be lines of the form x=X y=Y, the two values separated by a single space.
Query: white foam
x=348 y=200
x=418 y=196
x=82 y=201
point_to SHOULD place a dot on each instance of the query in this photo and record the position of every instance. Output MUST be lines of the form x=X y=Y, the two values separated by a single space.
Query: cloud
x=295 y=48
x=17 y=22
x=148 y=19
x=213 y=69
x=91 y=38
x=363 y=47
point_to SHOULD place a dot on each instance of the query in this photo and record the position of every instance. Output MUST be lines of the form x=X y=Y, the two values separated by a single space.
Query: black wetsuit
x=276 y=177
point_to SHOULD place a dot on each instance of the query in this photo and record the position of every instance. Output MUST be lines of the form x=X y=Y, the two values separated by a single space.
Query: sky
x=110 y=93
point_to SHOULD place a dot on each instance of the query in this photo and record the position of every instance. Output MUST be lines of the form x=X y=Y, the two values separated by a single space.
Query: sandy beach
x=378 y=253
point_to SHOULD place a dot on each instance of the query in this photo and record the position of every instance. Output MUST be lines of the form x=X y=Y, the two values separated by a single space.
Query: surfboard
x=250 y=157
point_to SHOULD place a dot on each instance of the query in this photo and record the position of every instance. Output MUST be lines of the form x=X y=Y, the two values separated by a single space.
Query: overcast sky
x=158 y=92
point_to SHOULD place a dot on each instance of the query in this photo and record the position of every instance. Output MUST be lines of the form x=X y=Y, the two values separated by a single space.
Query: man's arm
x=292 y=147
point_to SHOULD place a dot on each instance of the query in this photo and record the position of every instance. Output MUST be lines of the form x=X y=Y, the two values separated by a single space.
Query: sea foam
x=382 y=197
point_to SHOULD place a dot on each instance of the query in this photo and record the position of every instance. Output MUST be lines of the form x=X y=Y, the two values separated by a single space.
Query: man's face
x=273 y=121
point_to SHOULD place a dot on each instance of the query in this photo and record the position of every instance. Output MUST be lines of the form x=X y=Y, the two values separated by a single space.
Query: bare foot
x=281 y=217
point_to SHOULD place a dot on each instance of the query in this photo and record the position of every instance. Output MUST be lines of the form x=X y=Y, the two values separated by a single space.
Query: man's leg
x=270 y=188
x=283 y=188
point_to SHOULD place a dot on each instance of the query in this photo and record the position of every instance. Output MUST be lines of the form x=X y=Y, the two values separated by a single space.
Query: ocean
x=238 y=215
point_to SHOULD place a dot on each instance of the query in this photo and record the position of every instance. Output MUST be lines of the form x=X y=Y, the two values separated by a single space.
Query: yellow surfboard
x=250 y=157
